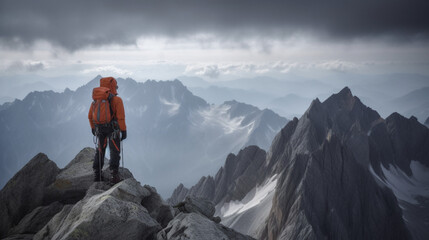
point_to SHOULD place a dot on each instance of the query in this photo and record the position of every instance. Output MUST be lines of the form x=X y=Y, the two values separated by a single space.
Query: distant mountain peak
x=314 y=107
x=342 y=100
x=345 y=91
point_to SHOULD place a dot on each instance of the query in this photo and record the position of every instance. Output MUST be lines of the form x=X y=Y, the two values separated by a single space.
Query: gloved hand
x=93 y=131
x=124 y=135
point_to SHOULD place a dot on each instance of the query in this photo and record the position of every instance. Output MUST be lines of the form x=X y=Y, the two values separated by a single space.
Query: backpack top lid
x=110 y=83
x=100 y=93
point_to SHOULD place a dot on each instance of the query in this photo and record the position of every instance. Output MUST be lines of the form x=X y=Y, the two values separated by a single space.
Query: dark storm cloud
x=76 y=24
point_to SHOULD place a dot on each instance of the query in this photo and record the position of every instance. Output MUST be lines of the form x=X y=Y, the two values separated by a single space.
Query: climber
x=107 y=119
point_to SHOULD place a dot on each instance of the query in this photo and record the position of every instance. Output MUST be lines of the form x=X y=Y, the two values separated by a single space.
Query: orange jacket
x=116 y=103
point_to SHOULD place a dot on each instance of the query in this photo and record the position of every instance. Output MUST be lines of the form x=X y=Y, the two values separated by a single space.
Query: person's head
x=111 y=83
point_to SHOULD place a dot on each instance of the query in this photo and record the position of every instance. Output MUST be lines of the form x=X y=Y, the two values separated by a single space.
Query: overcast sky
x=215 y=40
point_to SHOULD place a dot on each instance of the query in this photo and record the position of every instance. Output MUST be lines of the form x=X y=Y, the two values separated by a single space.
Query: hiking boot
x=114 y=178
x=98 y=176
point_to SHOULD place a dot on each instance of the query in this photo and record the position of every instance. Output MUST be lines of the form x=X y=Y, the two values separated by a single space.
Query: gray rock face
x=158 y=209
x=239 y=174
x=37 y=219
x=205 y=188
x=195 y=221
x=20 y=237
x=113 y=214
x=25 y=191
x=325 y=188
x=399 y=154
x=197 y=205
x=194 y=226
x=328 y=194
x=178 y=195
x=427 y=122
x=75 y=179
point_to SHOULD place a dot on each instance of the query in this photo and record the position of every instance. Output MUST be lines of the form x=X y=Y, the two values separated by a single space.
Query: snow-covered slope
x=249 y=214
x=171 y=132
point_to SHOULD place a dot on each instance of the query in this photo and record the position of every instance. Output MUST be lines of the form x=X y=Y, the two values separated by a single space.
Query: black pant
x=106 y=135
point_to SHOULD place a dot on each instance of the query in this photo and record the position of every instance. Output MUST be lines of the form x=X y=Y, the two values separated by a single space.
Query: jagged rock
x=26 y=191
x=239 y=174
x=395 y=146
x=325 y=189
x=328 y=194
x=410 y=140
x=197 y=205
x=53 y=225
x=194 y=226
x=427 y=122
x=158 y=209
x=37 y=219
x=74 y=180
x=178 y=195
x=205 y=188
x=113 y=214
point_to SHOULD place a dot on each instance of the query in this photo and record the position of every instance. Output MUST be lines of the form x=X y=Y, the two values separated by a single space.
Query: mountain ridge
x=159 y=115
x=338 y=149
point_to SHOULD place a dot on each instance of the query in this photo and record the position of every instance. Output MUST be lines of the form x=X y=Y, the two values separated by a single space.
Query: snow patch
x=219 y=115
x=173 y=106
x=405 y=187
x=252 y=199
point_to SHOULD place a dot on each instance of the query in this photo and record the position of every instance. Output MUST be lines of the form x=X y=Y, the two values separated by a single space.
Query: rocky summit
x=44 y=202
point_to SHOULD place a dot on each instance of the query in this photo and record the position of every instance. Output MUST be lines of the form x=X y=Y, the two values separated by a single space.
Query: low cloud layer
x=108 y=70
x=78 y=24
x=215 y=70
x=20 y=66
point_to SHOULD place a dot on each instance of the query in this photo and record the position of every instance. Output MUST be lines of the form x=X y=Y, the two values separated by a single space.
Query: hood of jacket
x=109 y=82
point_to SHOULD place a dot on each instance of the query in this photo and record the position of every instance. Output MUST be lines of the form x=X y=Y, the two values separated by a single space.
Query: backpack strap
x=109 y=98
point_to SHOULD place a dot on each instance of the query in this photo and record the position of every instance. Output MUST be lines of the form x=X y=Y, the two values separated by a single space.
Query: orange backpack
x=101 y=111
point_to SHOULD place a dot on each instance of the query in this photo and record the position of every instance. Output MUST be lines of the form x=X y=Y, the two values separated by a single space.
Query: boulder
x=37 y=219
x=158 y=209
x=26 y=191
x=197 y=205
x=53 y=225
x=75 y=179
x=113 y=214
x=194 y=226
